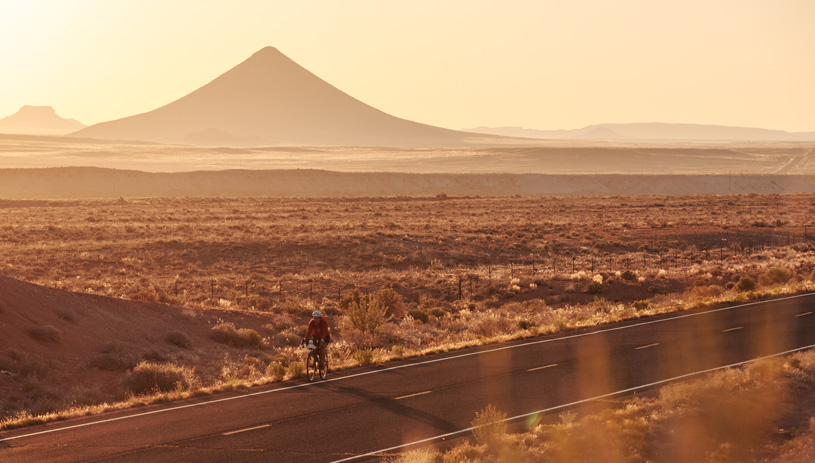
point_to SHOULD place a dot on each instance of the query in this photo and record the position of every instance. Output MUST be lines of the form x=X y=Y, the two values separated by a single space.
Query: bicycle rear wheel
x=312 y=363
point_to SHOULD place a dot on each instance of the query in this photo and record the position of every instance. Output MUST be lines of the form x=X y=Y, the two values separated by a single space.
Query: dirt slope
x=49 y=339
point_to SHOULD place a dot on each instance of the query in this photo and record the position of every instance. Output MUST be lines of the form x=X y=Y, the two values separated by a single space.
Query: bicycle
x=313 y=366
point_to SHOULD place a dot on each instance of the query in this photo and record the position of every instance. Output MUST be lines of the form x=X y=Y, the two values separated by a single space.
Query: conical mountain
x=271 y=100
x=38 y=120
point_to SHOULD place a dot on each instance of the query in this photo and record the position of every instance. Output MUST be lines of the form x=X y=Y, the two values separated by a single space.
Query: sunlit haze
x=455 y=64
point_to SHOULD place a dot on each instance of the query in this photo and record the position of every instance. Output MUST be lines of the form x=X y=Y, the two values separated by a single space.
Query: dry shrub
x=745 y=283
x=364 y=312
x=593 y=288
x=67 y=314
x=29 y=366
x=291 y=336
x=707 y=291
x=226 y=333
x=276 y=371
x=113 y=357
x=46 y=333
x=365 y=357
x=296 y=369
x=392 y=302
x=419 y=456
x=774 y=276
x=179 y=339
x=418 y=315
x=489 y=425
x=491 y=325
x=147 y=378
x=629 y=275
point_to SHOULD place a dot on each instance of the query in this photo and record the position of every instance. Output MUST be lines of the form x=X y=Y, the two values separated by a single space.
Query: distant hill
x=652 y=131
x=38 y=120
x=271 y=100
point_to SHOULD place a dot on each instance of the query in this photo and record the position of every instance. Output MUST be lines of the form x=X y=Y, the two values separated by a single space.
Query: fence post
x=213 y=290
x=459 y=289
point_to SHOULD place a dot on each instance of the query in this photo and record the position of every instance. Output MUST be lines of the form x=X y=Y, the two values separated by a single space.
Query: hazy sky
x=453 y=63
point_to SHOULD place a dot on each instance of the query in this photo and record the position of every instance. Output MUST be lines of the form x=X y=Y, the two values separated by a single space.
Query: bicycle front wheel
x=324 y=369
x=312 y=364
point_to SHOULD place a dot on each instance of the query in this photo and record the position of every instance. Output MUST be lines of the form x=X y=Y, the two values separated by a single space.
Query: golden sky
x=453 y=63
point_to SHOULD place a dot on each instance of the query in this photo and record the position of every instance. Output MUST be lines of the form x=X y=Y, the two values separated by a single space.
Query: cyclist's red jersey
x=318 y=329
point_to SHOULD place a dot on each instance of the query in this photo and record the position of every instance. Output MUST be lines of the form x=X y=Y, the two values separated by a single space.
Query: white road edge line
x=733 y=329
x=412 y=395
x=541 y=368
x=804 y=314
x=646 y=347
x=247 y=429
x=408 y=365
x=557 y=407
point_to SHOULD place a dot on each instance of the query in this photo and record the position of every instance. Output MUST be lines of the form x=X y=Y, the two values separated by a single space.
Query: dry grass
x=735 y=415
x=467 y=271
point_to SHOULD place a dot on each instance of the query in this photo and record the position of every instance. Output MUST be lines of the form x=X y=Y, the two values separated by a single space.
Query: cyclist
x=319 y=331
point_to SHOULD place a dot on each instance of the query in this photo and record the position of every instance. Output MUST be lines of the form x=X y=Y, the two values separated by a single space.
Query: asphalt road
x=368 y=410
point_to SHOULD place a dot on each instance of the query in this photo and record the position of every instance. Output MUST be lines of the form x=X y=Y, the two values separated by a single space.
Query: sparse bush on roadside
x=226 y=333
x=364 y=311
x=113 y=357
x=364 y=357
x=296 y=369
x=593 y=288
x=419 y=316
x=276 y=371
x=29 y=366
x=147 y=378
x=392 y=302
x=774 y=276
x=178 y=339
x=46 y=333
x=745 y=284
x=437 y=312
x=397 y=351
x=707 y=291
x=628 y=275
x=489 y=425
x=291 y=336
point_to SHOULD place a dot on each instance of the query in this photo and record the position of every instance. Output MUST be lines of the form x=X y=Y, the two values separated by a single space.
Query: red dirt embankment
x=59 y=347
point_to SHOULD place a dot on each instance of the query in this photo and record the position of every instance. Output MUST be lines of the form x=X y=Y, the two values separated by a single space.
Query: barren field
x=239 y=277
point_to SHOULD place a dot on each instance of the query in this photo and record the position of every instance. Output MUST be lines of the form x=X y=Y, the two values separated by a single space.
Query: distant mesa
x=653 y=131
x=271 y=100
x=599 y=133
x=38 y=120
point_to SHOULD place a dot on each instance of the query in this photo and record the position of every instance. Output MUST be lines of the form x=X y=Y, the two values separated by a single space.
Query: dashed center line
x=733 y=329
x=412 y=395
x=645 y=347
x=804 y=314
x=247 y=429
x=541 y=368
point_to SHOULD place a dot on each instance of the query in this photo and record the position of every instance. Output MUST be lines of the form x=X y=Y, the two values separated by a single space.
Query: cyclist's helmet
x=317 y=314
